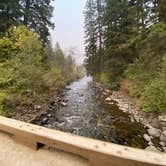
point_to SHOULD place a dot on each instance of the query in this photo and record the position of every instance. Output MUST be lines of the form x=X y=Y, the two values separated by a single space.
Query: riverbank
x=85 y=113
x=155 y=124
x=89 y=109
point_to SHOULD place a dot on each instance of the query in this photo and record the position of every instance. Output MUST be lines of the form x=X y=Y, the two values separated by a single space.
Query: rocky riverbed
x=90 y=110
x=155 y=124
x=87 y=108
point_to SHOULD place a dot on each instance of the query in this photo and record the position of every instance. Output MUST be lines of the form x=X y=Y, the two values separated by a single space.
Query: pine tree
x=9 y=14
x=90 y=37
x=100 y=33
x=37 y=15
x=34 y=14
x=162 y=10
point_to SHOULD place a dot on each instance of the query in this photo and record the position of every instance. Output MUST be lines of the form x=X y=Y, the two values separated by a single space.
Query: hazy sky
x=69 y=22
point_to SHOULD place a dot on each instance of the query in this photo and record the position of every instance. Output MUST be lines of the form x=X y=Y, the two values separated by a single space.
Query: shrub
x=4 y=109
x=154 y=96
x=147 y=73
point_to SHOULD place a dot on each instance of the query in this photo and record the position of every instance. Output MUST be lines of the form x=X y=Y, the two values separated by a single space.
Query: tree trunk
x=26 y=12
x=162 y=10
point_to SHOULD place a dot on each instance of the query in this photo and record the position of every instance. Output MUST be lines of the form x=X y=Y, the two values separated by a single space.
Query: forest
x=117 y=95
x=125 y=49
x=125 y=44
x=31 y=71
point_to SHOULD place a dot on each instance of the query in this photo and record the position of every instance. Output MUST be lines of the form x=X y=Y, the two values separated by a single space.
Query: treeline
x=31 y=71
x=34 y=14
x=126 y=47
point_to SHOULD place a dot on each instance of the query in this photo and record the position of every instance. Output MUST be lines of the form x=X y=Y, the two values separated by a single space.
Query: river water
x=88 y=115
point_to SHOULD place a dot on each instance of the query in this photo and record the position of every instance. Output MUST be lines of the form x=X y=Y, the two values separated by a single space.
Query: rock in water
x=154 y=132
x=164 y=133
x=64 y=104
x=108 y=99
x=37 y=107
x=81 y=94
x=162 y=118
x=107 y=91
x=162 y=144
x=49 y=115
x=155 y=123
x=147 y=137
x=163 y=138
x=44 y=120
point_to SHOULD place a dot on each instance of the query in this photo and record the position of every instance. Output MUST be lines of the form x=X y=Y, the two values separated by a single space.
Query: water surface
x=88 y=115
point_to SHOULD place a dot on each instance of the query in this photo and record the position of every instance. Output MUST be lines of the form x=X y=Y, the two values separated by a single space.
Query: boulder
x=164 y=148
x=152 y=148
x=107 y=91
x=104 y=93
x=150 y=143
x=147 y=137
x=163 y=124
x=163 y=138
x=81 y=94
x=155 y=123
x=163 y=128
x=64 y=104
x=49 y=115
x=37 y=107
x=154 y=132
x=111 y=103
x=162 y=144
x=162 y=118
x=108 y=99
x=164 y=133
x=44 y=120
x=49 y=126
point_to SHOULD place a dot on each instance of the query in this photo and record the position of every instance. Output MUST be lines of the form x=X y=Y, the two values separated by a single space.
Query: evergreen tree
x=34 y=14
x=162 y=10
x=113 y=28
x=37 y=15
x=90 y=37
x=9 y=14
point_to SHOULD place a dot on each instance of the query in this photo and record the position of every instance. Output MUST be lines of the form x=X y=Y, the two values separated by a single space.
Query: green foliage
x=148 y=72
x=4 y=110
x=24 y=77
x=35 y=15
x=6 y=75
x=154 y=96
x=94 y=35
x=6 y=47
x=133 y=37
x=53 y=80
x=9 y=13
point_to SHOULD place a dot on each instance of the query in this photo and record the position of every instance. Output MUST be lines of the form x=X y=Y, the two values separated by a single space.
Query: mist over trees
x=125 y=47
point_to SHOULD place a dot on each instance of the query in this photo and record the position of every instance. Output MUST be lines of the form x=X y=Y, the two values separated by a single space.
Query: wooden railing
x=98 y=153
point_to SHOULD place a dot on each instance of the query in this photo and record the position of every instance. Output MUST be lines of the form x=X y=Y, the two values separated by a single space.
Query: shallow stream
x=87 y=114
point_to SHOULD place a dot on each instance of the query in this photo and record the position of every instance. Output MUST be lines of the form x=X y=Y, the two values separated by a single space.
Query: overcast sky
x=69 y=22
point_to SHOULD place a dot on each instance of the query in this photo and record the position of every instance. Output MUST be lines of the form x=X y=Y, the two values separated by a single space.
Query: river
x=87 y=114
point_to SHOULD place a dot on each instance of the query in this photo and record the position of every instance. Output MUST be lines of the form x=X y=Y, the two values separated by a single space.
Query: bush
x=154 y=96
x=126 y=86
x=4 y=109
x=53 y=80
x=147 y=73
x=28 y=75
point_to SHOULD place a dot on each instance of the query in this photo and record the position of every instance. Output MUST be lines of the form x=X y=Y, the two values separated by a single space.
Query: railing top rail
x=91 y=149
